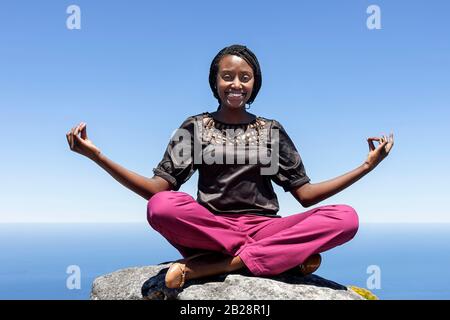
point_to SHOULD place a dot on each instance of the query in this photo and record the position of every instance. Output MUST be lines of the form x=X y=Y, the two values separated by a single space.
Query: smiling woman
x=233 y=222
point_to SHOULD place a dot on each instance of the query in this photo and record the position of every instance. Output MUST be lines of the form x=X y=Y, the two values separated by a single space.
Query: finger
x=391 y=138
x=71 y=138
x=388 y=147
x=370 y=141
x=390 y=143
x=384 y=139
x=84 y=132
x=77 y=129
x=68 y=139
x=371 y=146
x=72 y=130
x=75 y=137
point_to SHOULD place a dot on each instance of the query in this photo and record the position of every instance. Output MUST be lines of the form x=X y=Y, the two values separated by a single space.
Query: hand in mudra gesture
x=376 y=155
x=81 y=144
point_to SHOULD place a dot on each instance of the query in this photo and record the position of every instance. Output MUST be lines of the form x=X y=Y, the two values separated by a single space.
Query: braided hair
x=244 y=53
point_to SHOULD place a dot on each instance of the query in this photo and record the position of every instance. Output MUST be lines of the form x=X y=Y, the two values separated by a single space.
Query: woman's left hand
x=376 y=155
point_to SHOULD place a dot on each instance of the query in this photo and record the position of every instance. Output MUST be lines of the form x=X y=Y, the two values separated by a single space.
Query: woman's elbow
x=301 y=194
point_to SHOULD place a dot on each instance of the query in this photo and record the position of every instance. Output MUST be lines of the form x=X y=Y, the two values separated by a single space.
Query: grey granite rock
x=148 y=282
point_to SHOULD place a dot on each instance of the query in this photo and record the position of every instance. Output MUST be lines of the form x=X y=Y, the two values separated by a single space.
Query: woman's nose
x=236 y=83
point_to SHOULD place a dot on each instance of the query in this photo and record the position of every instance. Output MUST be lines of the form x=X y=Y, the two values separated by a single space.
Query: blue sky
x=137 y=69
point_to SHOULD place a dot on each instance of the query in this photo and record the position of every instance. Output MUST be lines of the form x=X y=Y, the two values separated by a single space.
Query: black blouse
x=236 y=163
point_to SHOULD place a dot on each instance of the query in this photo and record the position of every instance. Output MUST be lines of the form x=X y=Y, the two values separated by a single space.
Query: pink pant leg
x=188 y=226
x=287 y=242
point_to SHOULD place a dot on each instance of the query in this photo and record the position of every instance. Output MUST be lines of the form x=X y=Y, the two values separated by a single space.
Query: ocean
x=394 y=261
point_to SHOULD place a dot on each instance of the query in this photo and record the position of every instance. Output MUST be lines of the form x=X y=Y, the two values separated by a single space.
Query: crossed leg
x=266 y=246
x=287 y=242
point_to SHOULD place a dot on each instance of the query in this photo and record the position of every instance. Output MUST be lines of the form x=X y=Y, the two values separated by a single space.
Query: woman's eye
x=243 y=78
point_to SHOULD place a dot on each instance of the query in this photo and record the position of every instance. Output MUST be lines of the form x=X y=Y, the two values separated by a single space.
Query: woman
x=233 y=223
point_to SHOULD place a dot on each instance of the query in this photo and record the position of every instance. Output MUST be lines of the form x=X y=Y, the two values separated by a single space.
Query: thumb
x=78 y=140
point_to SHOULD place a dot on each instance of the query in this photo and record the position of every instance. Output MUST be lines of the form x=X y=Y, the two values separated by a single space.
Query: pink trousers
x=267 y=246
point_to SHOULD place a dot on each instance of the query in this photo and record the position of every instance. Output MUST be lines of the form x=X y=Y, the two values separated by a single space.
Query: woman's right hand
x=82 y=145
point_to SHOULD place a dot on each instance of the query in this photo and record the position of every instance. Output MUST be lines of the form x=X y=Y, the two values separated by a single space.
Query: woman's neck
x=235 y=116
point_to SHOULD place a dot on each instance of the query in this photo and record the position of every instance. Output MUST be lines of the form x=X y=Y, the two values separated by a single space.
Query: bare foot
x=200 y=266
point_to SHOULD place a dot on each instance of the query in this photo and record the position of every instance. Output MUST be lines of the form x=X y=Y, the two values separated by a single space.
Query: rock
x=148 y=282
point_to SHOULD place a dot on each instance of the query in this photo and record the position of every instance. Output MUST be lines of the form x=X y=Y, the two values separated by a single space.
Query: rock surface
x=148 y=282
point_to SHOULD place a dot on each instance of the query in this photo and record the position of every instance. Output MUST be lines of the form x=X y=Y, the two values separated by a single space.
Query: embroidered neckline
x=216 y=130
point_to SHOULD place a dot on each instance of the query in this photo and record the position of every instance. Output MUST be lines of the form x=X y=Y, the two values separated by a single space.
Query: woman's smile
x=235 y=95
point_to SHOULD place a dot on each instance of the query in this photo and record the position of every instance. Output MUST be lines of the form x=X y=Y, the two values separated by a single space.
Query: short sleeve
x=291 y=172
x=177 y=164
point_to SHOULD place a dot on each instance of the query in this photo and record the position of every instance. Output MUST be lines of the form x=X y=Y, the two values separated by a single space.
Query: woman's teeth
x=231 y=94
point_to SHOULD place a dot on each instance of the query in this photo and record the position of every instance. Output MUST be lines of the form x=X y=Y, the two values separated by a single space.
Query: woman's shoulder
x=268 y=123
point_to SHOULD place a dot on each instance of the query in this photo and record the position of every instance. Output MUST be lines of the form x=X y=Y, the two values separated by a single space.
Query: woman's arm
x=145 y=187
x=311 y=194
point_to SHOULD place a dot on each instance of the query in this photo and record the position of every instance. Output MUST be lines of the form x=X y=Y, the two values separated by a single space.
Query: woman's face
x=235 y=81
